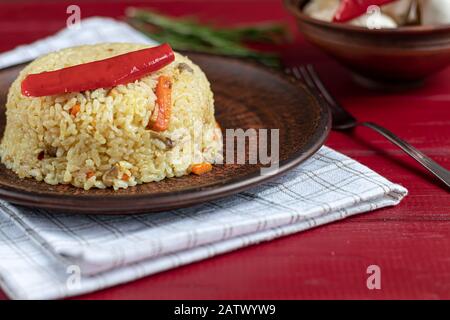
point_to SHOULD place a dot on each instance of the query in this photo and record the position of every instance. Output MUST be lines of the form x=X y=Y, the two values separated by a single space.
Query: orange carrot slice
x=89 y=174
x=163 y=103
x=75 y=109
x=201 y=168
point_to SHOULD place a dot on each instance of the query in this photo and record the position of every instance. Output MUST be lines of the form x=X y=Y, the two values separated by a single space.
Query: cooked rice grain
x=99 y=138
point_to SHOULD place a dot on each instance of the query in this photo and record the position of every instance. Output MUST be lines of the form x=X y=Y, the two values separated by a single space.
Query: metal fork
x=342 y=120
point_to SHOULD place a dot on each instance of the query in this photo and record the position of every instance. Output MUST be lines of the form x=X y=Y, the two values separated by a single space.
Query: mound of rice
x=106 y=143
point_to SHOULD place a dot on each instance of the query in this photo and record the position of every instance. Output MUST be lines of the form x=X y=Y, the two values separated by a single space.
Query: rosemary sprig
x=189 y=35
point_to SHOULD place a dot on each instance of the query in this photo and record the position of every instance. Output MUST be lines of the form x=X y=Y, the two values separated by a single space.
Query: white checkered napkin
x=91 y=30
x=44 y=255
x=38 y=249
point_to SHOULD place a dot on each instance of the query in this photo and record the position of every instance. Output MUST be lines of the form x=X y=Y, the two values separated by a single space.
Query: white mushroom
x=435 y=12
x=321 y=9
x=374 y=19
x=326 y=9
x=110 y=175
x=402 y=11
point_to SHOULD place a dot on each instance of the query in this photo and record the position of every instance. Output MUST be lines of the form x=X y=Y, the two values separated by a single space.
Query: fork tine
x=299 y=74
x=342 y=120
x=308 y=75
x=305 y=76
x=308 y=79
x=320 y=86
x=302 y=74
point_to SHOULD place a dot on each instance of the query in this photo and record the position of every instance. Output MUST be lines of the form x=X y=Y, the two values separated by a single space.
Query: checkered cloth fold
x=47 y=255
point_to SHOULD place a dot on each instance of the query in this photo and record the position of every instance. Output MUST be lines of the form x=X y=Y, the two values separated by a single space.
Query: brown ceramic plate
x=246 y=95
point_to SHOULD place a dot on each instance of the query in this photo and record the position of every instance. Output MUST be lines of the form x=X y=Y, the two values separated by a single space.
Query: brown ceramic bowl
x=401 y=56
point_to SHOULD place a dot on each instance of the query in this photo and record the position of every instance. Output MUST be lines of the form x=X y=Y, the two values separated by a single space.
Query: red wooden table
x=410 y=243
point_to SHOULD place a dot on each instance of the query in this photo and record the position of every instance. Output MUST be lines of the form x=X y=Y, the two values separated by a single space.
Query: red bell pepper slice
x=350 y=9
x=111 y=72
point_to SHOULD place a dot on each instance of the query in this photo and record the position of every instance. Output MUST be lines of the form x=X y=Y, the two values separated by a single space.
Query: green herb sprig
x=187 y=34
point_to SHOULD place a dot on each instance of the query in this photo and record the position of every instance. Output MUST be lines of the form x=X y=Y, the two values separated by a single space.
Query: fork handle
x=439 y=171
